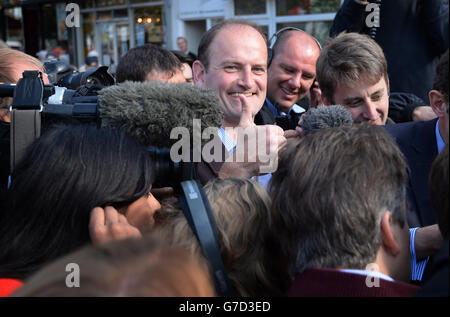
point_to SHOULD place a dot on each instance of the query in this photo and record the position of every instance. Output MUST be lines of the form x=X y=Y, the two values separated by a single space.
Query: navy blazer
x=417 y=141
x=264 y=116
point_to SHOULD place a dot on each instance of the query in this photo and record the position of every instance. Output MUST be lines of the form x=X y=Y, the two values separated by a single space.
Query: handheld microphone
x=325 y=117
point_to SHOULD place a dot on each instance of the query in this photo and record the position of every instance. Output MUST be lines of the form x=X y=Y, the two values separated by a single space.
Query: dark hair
x=330 y=191
x=439 y=190
x=141 y=60
x=210 y=35
x=67 y=172
x=183 y=58
x=441 y=78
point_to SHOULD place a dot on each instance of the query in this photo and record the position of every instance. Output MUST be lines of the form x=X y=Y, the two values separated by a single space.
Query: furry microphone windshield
x=325 y=117
x=149 y=111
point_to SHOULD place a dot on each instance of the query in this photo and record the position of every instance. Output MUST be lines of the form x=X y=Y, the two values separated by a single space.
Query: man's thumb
x=246 y=115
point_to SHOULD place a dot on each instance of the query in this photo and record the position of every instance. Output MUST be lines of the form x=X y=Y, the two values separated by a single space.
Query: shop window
x=149 y=25
x=265 y=30
x=110 y=3
x=318 y=29
x=249 y=7
x=104 y=15
x=87 y=4
x=50 y=27
x=14 y=27
x=122 y=13
x=144 y=1
x=89 y=34
x=299 y=7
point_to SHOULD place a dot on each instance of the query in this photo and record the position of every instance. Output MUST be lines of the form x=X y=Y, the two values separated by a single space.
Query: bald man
x=291 y=73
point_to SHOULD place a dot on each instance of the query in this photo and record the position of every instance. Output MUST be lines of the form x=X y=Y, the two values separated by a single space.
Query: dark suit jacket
x=436 y=276
x=264 y=116
x=334 y=283
x=417 y=141
x=210 y=170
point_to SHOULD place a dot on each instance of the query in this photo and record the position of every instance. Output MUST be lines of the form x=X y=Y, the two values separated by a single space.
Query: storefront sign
x=201 y=9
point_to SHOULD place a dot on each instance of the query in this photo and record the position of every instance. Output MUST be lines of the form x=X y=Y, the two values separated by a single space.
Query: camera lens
x=167 y=172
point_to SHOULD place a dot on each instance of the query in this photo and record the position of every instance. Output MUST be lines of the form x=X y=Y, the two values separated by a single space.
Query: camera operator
x=12 y=64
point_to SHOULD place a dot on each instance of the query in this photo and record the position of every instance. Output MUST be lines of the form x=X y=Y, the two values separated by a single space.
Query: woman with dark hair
x=67 y=172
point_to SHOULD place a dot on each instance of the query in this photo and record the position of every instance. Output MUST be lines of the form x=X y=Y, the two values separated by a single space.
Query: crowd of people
x=355 y=204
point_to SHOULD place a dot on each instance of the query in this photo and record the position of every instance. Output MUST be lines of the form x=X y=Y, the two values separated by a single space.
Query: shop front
x=109 y=28
x=191 y=18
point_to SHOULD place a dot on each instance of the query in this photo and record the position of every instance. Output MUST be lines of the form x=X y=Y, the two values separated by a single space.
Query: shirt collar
x=440 y=142
x=296 y=108
x=227 y=140
x=369 y=273
x=272 y=108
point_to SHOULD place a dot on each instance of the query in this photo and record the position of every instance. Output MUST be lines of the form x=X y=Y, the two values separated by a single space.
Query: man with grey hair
x=352 y=72
x=340 y=197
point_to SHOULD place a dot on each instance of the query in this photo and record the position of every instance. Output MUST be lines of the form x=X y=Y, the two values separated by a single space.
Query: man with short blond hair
x=352 y=72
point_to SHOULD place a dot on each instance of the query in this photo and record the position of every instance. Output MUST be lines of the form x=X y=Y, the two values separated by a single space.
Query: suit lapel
x=425 y=151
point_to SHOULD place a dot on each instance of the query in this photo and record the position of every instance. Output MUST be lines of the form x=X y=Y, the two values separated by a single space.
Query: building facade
x=191 y=18
x=112 y=27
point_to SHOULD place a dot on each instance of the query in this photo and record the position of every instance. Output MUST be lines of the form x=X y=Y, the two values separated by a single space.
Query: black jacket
x=436 y=276
x=264 y=116
x=417 y=141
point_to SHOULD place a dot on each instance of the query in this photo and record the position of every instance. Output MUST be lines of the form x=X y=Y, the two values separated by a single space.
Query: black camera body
x=290 y=121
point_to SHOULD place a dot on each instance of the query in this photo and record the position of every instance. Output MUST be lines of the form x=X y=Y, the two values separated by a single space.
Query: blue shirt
x=272 y=108
x=275 y=112
x=417 y=267
x=440 y=142
x=227 y=140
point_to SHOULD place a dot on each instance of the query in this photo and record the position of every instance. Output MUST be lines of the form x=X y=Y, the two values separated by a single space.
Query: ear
x=387 y=235
x=199 y=72
x=437 y=103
